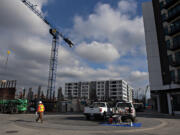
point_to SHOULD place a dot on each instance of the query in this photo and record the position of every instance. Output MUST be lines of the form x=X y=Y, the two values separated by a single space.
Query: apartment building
x=100 y=90
x=162 y=33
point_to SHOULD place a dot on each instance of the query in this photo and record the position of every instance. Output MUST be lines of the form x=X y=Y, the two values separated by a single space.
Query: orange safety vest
x=41 y=108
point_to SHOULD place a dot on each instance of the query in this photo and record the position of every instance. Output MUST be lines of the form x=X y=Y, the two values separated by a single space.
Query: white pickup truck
x=126 y=110
x=97 y=110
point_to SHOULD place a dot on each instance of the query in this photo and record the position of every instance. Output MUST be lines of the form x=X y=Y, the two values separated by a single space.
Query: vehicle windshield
x=98 y=105
x=124 y=105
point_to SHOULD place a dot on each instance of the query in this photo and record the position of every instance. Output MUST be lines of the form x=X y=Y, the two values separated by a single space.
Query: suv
x=125 y=109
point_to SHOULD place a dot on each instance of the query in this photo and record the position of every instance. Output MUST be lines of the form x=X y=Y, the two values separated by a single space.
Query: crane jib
x=54 y=50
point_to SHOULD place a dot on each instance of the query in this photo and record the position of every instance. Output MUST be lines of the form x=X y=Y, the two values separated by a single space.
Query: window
x=166 y=31
x=161 y=4
x=98 y=105
x=177 y=57
x=168 y=44
x=178 y=74
x=176 y=41
x=124 y=105
x=163 y=17
x=170 y=58
x=172 y=75
x=174 y=11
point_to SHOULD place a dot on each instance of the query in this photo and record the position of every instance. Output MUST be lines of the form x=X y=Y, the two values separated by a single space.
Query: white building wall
x=152 y=49
x=130 y=94
x=85 y=89
x=118 y=89
x=100 y=89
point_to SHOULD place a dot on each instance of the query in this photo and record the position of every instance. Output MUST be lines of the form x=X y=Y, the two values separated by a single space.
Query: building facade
x=100 y=90
x=130 y=95
x=85 y=90
x=72 y=90
x=118 y=90
x=162 y=33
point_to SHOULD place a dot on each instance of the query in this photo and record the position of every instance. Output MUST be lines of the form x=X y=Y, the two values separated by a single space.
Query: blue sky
x=108 y=35
x=60 y=12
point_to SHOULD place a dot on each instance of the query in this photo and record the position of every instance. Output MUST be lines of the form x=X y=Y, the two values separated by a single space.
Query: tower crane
x=54 y=50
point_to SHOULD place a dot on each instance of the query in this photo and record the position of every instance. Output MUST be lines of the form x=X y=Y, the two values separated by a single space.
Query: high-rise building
x=162 y=32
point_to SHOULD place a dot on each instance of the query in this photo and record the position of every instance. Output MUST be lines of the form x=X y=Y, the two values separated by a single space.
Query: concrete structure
x=162 y=32
x=118 y=90
x=72 y=90
x=100 y=90
x=130 y=94
x=84 y=91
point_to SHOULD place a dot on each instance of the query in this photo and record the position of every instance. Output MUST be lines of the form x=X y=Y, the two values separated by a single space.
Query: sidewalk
x=152 y=113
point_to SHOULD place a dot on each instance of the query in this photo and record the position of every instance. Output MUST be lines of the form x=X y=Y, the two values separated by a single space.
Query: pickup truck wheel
x=87 y=117
x=126 y=119
x=104 y=116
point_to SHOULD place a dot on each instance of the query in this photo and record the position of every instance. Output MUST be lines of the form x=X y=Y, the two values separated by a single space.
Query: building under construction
x=7 y=89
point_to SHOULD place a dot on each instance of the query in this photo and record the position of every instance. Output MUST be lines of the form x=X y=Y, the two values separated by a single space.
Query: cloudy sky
x=108 y=36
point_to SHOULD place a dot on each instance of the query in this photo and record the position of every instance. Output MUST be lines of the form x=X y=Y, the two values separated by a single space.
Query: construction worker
x=40 y=111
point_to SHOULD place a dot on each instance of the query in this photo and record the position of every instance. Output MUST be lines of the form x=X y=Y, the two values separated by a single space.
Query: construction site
x=98 y=83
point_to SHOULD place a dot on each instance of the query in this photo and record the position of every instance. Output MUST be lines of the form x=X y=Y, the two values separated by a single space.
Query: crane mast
x=54 y=50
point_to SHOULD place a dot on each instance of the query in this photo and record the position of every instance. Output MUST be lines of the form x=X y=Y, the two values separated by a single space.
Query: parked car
x=126 y=110
x=97 y=110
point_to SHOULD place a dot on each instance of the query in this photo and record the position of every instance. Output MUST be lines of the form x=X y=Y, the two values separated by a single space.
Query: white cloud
x=122 y=30
x=111 y=32
x=127 y=6
x=138 y=78
x=138 y=74
x=97 y=52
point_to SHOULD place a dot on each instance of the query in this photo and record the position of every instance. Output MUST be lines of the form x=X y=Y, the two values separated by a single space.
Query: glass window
x=161 y=4
x=98 y=105
x=176 y=41
x=170 y=58
x=163 y=17
x=177 y=56
x=179 y=74
x=124 y=105
x=172 y=75
x=166 y=31
x=168 y=44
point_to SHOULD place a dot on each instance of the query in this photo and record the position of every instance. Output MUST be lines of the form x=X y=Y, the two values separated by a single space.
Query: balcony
x=173 y=44
x=175 y=62
x=178 y=78
x=173 y=13
x=168 y=3
x=174 y=28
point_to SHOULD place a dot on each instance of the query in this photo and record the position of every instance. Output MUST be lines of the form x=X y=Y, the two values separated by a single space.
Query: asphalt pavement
x=76 y=124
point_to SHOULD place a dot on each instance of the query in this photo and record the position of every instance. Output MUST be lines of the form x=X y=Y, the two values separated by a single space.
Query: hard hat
x=40 y=102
